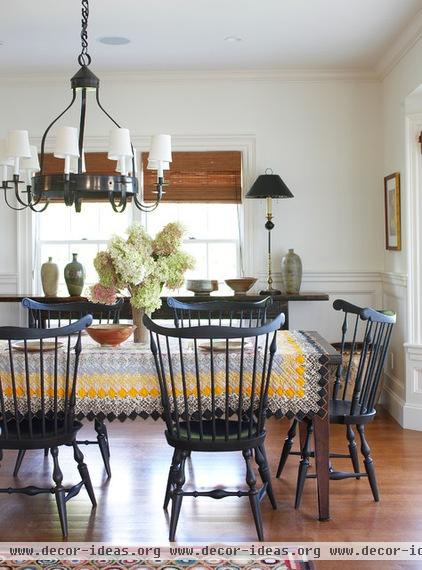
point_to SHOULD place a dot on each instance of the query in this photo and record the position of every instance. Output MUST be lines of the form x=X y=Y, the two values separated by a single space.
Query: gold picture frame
x=392 y=212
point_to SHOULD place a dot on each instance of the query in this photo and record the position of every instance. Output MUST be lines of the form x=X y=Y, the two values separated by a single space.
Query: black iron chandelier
x=24 y=175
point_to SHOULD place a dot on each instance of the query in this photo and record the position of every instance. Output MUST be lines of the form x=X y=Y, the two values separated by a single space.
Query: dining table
x=120 y=383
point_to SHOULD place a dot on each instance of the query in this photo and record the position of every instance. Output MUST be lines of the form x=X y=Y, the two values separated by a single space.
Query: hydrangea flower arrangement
x=141 y=265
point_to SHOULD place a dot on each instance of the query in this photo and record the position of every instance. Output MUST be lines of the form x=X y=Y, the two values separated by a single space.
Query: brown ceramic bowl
x=241 y=285
x=110 y=335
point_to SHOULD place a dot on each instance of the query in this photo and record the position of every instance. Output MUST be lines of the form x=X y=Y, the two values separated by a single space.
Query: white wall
x=402 y=398
x=321 y=135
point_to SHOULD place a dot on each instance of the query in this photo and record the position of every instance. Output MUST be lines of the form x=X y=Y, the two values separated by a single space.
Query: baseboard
x=412 y=417
x=394 y=405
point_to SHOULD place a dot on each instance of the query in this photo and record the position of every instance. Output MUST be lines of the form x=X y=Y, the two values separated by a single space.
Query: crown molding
x=411 y=34
x=257 y=75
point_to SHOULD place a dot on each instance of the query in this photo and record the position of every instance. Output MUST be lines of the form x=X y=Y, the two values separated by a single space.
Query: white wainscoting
x=9 y=312
x=403 y=399
x=394 y=394
x=361 y=287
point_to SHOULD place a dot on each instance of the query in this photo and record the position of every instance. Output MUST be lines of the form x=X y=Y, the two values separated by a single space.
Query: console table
x=280 y=302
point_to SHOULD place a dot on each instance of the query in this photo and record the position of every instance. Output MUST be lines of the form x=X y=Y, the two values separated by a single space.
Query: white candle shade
x=32 y=164
x=160 y=148
x=119 y=144
x=17 y=144
x=66 y=142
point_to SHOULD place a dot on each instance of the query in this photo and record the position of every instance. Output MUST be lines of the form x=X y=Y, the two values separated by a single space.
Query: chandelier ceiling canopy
x=23 y=170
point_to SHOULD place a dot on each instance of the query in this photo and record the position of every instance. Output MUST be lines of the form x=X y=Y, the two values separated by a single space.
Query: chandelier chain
x=84 y=58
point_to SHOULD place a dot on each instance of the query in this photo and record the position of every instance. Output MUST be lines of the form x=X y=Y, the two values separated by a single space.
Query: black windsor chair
x=47 y=315
x=37 y=402
x=364 y=344
x=218 y=312
x=215 y=400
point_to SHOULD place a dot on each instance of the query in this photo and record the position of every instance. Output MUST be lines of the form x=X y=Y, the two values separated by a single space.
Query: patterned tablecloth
x=121 y=382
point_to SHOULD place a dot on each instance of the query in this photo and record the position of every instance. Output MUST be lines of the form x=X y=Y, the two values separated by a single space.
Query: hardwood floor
x=130 y=503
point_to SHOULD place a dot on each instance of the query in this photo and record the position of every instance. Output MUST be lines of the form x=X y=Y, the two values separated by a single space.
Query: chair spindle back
x=366 y=335
x=204 y=380
x=215 y=312
x=38 y=388
x=48 y=315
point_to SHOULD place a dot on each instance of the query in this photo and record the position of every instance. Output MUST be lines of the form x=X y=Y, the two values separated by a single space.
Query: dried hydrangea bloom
x=142 y=266
x=101 y=294
x=168 y=240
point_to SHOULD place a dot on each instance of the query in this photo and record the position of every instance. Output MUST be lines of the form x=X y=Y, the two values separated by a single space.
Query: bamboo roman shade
x=96 y=163
x=205 y=176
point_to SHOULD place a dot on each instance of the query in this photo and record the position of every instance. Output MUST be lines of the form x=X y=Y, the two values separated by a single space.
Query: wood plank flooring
x=130 y=503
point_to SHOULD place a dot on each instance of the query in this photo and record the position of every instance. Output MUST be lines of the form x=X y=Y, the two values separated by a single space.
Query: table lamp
x=269 y=186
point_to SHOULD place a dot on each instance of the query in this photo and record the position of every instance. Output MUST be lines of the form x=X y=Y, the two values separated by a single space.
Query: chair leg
x=19 y=458
x=84 y=473
x=103 y=444
x=59 y=491
x=264 y=471
x=350 y=434
x=170 y=480
x=303 y=465
x=46 y=452
x=253 y=494
x=287 y=447
x=177 y=495
x=368 y=462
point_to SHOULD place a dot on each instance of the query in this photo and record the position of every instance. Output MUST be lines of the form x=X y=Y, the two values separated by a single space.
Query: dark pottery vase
x=291 y=272
x=74 y=275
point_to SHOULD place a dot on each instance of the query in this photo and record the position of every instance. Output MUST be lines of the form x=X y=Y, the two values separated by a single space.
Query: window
x=205 y=193
x=61 y=231
x=212 y=237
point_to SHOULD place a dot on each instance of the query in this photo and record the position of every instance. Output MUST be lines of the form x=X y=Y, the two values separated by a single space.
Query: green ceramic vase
x=291 y=272
x=74 y=275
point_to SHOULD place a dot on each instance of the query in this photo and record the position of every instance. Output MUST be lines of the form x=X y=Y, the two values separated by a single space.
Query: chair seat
x=51 y=437
x=340 y=413
x=232 y=443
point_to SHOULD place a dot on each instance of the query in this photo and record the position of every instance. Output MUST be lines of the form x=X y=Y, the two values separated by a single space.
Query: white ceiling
x=43 y=35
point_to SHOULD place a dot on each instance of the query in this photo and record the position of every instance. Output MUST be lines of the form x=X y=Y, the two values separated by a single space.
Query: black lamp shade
x=269 y=186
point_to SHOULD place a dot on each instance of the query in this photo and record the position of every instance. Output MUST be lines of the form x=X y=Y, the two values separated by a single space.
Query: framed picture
x=392 y=211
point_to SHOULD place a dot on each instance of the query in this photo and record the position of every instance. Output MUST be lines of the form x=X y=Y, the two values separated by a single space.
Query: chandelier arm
x=10 y=205
x=97 y=96
x=81 y=130
x=49 y=127
x=18 y=198
x=117 y=207
x=145 y=207
x=31 y=206
x=68 y=194
x=117 y=125
x=78 y=204
x=27 y=191
x=36 y=201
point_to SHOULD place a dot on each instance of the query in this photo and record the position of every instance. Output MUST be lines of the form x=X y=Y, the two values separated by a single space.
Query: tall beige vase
x=49 y=278
x=141 y=333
